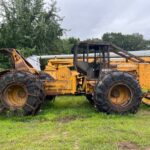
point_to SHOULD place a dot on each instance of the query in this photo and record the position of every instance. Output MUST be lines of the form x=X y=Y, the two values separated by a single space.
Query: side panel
x=144 y=75
x=65 y=79
x=61 y=87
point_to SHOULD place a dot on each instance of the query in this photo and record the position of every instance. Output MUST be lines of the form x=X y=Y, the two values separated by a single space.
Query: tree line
x=35 y=28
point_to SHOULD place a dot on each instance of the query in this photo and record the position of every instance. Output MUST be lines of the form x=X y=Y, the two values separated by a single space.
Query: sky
x=92 y=18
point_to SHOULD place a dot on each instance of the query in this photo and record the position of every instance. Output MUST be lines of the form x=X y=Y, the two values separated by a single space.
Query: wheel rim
x=120 y=95
x=15 y=96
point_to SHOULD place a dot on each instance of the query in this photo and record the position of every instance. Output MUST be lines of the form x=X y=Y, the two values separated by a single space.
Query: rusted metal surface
x=126 y=54
x=68 y=81
x=18 y=61
x=111 y=47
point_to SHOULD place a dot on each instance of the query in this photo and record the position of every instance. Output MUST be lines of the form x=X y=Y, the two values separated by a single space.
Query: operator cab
x=91 y=57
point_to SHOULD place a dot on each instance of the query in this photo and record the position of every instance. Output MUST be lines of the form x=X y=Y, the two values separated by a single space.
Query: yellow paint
x=146 y=101
x=68 y=81
x=15 y=96
x=144 y=75
x=21 y=64
x=120 y=95
x=65 y=79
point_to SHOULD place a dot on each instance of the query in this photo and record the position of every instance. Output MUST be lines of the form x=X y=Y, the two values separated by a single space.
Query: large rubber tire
x=34 y=92
x=45 y=76
x=103 y=88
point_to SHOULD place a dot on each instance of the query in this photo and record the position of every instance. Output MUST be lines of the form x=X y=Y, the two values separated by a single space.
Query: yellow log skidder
x=112 y=87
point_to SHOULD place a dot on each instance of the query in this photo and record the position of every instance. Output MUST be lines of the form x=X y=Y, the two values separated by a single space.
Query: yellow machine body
x=67 y=79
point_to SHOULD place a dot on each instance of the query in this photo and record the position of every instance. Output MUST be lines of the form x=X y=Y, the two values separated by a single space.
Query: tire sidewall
x=104 y=86
x=33 y=86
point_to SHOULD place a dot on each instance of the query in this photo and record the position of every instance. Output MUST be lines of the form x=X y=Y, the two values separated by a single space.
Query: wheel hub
x=120 y=95
x=15 y=96
x=115 y=93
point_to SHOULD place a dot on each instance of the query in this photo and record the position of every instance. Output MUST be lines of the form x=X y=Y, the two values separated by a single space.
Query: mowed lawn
x=70 y=123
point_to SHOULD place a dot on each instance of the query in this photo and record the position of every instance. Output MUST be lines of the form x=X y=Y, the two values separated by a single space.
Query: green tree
x=128 y=42
x=67 y=44
x=27 y=24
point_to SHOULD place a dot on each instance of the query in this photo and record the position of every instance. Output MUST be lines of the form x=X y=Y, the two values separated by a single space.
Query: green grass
x=70 y=123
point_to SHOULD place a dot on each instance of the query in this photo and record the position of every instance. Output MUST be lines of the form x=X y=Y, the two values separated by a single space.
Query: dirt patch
x=67 y=119
x=128 y=146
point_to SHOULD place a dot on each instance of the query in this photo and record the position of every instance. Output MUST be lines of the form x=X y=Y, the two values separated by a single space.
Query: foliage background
x=35 y=28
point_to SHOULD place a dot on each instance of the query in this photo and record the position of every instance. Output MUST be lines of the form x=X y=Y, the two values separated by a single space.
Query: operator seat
x=86 y=69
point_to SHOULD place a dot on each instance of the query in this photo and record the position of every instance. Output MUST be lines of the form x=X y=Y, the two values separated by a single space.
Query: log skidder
x=90 y=71
x=118 y=92
x=21 y=91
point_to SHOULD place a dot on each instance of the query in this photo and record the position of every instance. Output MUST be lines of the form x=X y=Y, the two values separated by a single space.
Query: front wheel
x=118 y=92
x=21 y=91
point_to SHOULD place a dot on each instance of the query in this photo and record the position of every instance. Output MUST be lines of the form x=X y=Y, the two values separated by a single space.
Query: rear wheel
x=21 y=91
x=118 y=92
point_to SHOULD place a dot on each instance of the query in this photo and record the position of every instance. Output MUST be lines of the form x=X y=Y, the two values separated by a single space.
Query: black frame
x=103 y=49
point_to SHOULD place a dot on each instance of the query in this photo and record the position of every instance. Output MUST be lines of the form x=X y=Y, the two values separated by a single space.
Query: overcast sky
x=92 y=18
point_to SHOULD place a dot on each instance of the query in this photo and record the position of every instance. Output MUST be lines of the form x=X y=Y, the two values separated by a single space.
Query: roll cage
x=91 y=58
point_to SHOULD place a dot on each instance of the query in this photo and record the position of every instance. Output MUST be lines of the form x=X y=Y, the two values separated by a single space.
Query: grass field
x=70 y=123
